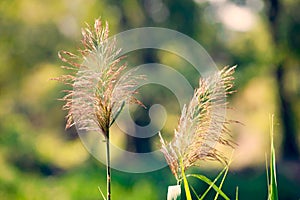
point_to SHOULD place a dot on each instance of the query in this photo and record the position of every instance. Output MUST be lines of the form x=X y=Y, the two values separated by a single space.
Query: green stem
x=221 y=184
x=185 y=182
x=108 y=170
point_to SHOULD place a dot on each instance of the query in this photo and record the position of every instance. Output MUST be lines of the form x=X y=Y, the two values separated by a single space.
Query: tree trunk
x=289 y=141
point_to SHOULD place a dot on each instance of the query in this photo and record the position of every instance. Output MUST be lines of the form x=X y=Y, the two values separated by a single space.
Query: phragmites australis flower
x=100 y=86
x=100 y=90
x=202 y=125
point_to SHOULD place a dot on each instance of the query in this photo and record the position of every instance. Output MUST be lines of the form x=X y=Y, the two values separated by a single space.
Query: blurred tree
x=282 y=25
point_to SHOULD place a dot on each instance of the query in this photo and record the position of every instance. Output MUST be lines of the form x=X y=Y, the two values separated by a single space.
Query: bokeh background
x=39 y=159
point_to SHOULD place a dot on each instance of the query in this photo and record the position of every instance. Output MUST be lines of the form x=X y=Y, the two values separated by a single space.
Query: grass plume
x=99 y=88
x=201 y=125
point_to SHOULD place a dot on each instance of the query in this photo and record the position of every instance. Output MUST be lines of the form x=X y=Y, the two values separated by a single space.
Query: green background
x=39 y=159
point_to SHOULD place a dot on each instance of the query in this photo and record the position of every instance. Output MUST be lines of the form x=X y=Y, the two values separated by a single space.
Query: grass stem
x=108 y=170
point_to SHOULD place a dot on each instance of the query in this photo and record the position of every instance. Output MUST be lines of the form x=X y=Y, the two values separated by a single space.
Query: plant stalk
x=108 y=170
x=185 y=182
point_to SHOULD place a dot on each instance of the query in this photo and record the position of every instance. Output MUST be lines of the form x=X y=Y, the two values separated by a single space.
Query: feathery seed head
x=99 y=88
x=201 y=125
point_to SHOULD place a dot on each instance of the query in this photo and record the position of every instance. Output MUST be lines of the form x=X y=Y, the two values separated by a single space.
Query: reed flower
x=99 y=89
x=202 y=125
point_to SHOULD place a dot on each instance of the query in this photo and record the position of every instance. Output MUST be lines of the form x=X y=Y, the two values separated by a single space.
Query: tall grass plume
x=99 y=87
x=202 y=126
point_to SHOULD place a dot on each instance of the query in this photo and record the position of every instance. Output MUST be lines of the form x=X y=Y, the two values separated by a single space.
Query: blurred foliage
x=41 y=160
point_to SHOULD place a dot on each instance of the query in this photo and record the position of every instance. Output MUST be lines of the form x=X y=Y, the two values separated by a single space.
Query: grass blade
x=195 y=193
x=117 y=113
x=185 y=183
x=268 y=178
x=211 y=185
x=237 y=193
x=209 y=182
x=221 y=184
x=273 y=193
x=103 y=196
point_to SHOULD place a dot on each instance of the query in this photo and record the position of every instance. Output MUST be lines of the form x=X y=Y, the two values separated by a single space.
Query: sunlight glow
x=237 y=18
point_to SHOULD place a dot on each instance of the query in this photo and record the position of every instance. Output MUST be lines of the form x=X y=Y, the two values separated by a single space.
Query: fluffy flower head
x=100 y=89
x=202 y=124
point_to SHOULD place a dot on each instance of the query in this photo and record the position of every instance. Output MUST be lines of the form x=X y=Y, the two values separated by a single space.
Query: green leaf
x=185 y=182
x=273 y=192
x=101 y=193
x=211 y=185
x=117 y=113
x=209 y=182
x=221 y=184
x=237 y=193
x=195 y=193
